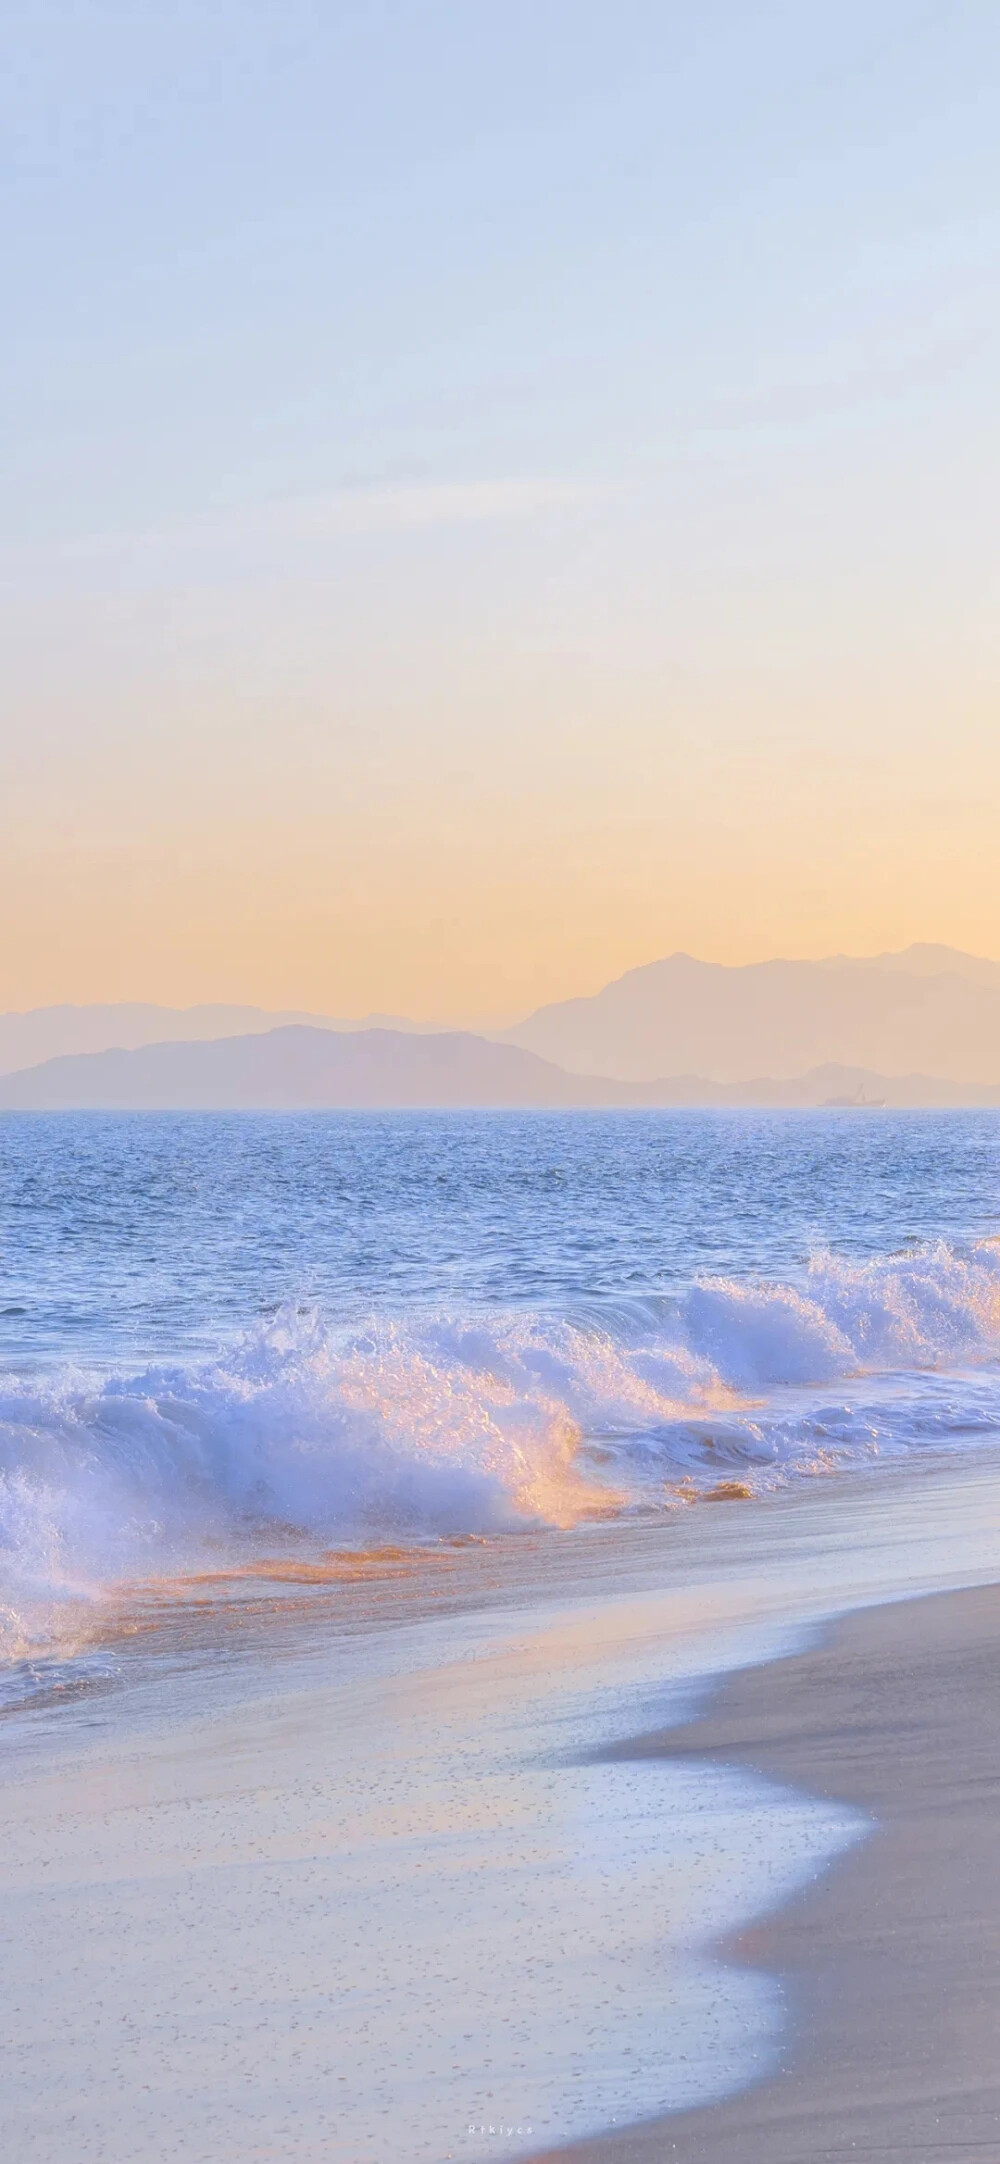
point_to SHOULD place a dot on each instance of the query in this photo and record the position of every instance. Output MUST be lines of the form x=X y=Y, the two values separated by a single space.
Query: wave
x=418 y=1428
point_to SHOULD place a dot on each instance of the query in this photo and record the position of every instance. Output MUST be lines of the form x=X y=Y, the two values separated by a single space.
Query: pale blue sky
x=479 y=465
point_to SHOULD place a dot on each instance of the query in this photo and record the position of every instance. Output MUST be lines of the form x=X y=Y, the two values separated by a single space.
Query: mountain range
x=53 y=1032
x=929 y=1011
x=295 y=1068
x=300 y=1069
x=920 y=1027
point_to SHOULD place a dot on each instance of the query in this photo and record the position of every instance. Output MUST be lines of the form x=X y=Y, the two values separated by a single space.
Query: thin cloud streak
x=288 y=521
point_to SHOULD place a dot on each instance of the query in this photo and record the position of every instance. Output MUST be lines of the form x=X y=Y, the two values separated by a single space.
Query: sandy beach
x=344 y=1881
x=891 y=1959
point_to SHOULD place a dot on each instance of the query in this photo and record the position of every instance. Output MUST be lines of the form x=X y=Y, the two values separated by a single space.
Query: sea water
x=226 y=1335
x=379 y=1891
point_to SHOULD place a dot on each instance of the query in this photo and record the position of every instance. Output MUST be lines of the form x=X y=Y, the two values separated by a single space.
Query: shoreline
x=777 y=1544
x=392 y=1875
x=890 y=1958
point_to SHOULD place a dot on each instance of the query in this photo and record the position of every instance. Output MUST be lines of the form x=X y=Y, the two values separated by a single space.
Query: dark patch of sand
x=891 y=1960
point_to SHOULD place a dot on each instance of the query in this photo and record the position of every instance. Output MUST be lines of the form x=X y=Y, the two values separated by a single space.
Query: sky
x=493 y=493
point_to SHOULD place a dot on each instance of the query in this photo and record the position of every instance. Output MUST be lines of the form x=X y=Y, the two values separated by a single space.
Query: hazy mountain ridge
x=297 y=1068
x=301 y=1068
x=890 y=1015
x=43 y=1033
x=920 y=1027
x=925 y=959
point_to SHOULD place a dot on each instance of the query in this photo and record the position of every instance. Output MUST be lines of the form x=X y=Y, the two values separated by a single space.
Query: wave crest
x=442 y=1425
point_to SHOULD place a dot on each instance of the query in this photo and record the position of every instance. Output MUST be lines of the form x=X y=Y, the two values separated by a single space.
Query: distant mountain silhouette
x=299 y=1068
x=928 y=1011
x=52 y=1032
x=926 y=960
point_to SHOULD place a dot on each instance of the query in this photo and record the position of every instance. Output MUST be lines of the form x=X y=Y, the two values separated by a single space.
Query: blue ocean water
x=221 y=1331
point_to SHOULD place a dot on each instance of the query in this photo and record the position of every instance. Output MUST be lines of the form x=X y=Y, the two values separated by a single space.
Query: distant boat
x=858 y=1103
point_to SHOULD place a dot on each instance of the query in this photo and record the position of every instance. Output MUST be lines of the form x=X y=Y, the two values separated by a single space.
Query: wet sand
x=890 y=1960
x=328 y=1882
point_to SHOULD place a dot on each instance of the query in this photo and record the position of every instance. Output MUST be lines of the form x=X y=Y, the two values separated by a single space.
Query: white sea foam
x=487 y=1423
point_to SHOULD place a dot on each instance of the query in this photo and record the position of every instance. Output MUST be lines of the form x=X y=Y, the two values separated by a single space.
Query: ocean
x=366 y=1482
x=231 y=1337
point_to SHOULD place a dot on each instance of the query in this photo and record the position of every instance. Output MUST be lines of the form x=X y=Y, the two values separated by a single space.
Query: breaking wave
x=435 y=1426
